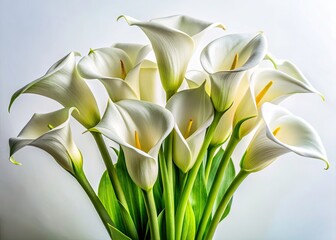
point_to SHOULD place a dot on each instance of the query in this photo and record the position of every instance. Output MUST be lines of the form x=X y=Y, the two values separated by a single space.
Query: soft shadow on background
x=294 y=198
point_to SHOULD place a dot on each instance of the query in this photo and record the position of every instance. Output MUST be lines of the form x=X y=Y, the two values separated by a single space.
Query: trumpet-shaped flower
x=50 y=132
x=281 y=133
x=124 y=72
x=63 y=84
x=226 y=60
x=267 y=85
x=139 y=127
x=193 y=113
x=173 y=40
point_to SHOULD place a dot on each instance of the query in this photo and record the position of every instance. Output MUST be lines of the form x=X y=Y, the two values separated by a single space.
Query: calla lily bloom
x=63 y=84
x=124 y=72
x=267 y=85
x=139 y=127
x=193 y=113
x=173 y=40
x=226 y=60
x=281 y=133
x=50 y=132
x=290 y=69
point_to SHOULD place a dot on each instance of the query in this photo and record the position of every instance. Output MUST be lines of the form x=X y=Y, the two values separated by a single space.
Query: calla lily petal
x=225 y=125
x=139 y=127
x=122 y=80
x=196 y=78
x=281 y=133
x=50 y=132
x=105 y=63
x=267 y=85
x=135 y=52
x=173 y=45
x=193 y=113
x=293 y=71
x=238 y=54
x=63 y=84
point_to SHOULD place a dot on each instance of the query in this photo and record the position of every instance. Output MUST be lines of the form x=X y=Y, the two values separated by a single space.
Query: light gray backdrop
x=292 y=199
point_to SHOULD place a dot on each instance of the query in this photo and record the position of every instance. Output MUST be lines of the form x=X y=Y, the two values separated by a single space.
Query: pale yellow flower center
x=188 y=130
x=123 y=69
x=235 y=61
x=50 y=126
x=137 y=140
x=263 y=92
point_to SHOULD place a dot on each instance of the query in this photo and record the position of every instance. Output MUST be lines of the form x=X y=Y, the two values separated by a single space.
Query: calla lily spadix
x=173 y=40
x=267 y=85
x=63 y=84
x=124 y=72
x=139 y=127
x=281 y=133
x=193 y=113
x=50 y=132
x=226 y=60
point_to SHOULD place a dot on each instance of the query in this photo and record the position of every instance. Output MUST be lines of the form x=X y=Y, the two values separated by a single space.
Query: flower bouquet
x=169 y=172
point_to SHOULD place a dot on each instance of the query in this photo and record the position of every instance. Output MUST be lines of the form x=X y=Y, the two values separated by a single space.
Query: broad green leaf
x=108 y=198
x=198 y=196
x=189 y=224
x=133 y=196
x=117 y=235
x=226 y=181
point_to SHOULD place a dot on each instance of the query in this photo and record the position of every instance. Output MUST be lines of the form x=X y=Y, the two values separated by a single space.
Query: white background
x=292 y=199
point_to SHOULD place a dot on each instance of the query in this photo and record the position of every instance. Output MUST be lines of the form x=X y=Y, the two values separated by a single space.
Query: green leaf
x=133 y=196
x=107 y=196
x=116 y=234
x=198 y=196
x=189 y=224
x=227 y=179
x=162 y=225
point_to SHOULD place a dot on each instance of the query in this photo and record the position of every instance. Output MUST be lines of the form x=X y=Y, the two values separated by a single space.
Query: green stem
x=152 y=214
x=224 y=202
x=192 y=176
x=216 y=186
x=211 y=153
x=103 y=214
x=110 y=169
x=168 y=197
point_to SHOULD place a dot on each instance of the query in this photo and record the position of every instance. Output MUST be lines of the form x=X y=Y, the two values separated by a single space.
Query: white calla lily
x=226 y=60
x=225 y=124
x=139 y=127
x=173 y=41
x=267 y=85
x=50 y=132
x=193 y=113
x=124 y=72
x=63 y=84
x=281 y=133
x=292 y=70
x=196 y=78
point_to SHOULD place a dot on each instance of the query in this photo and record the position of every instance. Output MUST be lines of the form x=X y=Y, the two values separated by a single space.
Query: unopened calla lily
x=139 y=127
x=193 y=113
x=50 y=132
x=173 y=40
x=281 y=133
x=63 y=84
